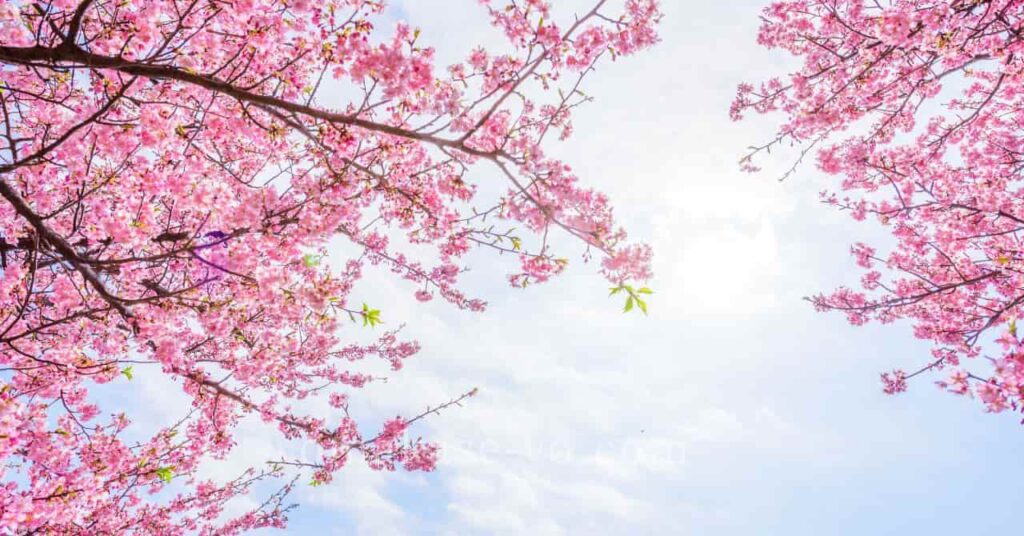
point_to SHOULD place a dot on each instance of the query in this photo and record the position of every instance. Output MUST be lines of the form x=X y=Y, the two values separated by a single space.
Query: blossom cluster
x=915 y=108
x=172 y=174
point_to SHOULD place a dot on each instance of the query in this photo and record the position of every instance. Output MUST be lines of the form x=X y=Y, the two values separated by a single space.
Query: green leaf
x=614 y=291
x=517 y=244
x=629 y=305
x=165 y=474
x=1013 y=327
x=127 y=372
x=371 y=317
x=642 y=304
x=315 y=483
x=310 y=260
x=645 y=290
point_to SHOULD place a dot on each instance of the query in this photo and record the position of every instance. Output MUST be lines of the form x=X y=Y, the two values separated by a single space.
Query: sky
x=732 y=409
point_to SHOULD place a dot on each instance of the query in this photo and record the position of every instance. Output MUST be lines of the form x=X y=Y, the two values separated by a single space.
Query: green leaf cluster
x=371 y=317
x=165 y=474
x=633 y=297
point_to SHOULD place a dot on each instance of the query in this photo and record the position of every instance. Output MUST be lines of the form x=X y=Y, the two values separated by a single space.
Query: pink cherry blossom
x=912 y=109
x=175 y=176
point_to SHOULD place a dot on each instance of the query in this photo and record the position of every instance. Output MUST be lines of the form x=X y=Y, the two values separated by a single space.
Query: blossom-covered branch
x=171 y=173
x=916 y=107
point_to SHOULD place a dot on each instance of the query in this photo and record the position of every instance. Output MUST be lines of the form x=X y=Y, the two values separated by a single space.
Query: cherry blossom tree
x=917 y=107
x=171 y=173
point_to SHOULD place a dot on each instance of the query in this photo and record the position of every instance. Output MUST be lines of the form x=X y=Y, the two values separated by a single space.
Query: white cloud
x=359 y=494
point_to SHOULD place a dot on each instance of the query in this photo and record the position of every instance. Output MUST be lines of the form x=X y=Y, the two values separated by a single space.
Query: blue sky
x=734 y=408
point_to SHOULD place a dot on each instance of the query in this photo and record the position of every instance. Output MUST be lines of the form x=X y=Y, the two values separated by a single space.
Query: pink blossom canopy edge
x=171 y=174
x=916 y=108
